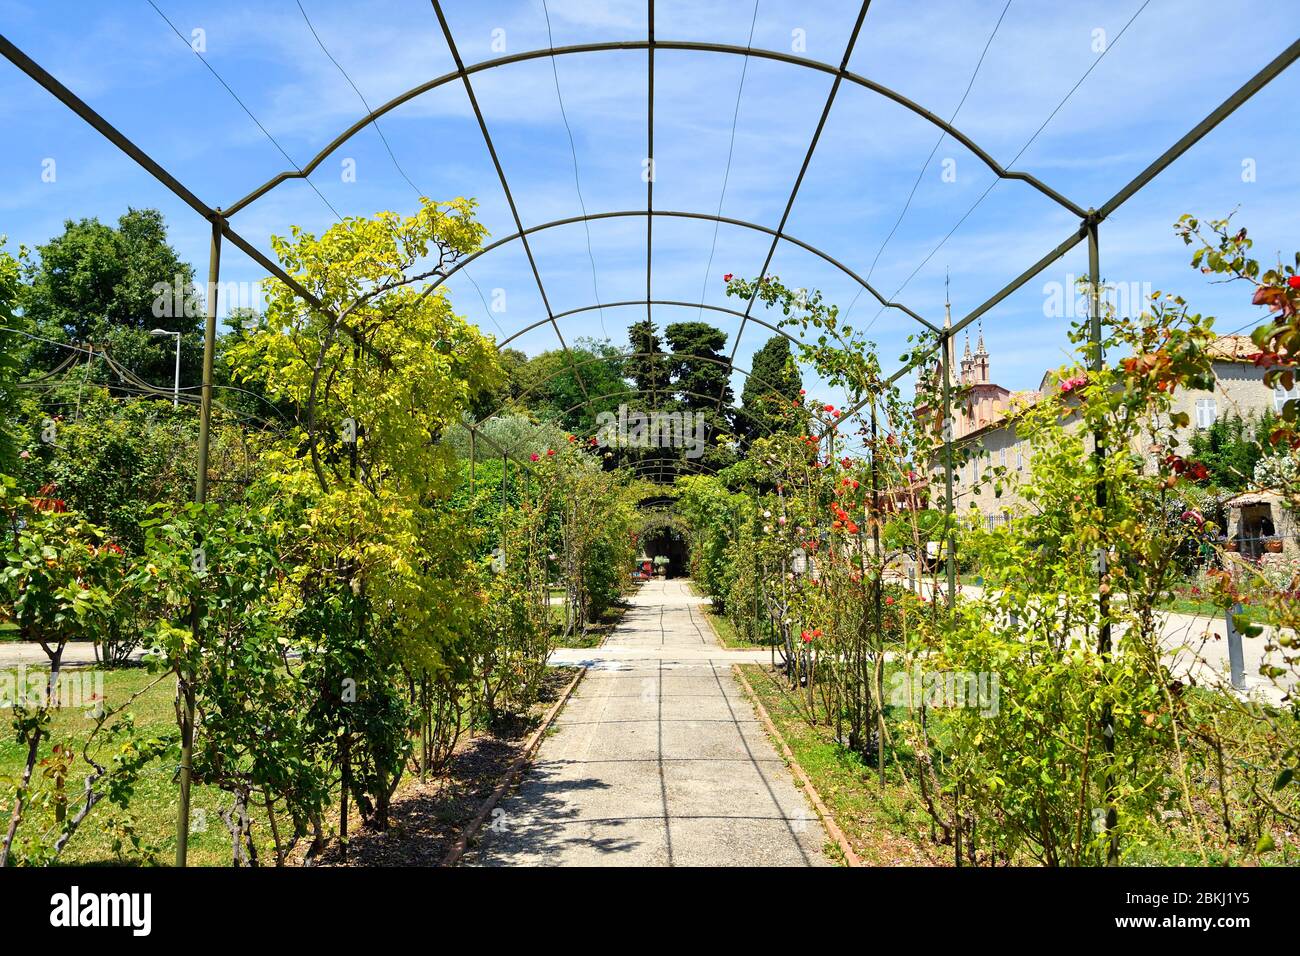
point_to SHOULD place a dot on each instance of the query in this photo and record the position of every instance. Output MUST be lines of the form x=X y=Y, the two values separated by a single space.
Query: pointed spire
x=979 y=349
x=966 y=354
x=947 y=303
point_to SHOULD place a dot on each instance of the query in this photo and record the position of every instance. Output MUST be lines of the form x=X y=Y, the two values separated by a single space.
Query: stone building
x=986 y=414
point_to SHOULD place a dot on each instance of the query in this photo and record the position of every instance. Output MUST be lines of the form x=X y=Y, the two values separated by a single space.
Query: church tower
x=981 y=362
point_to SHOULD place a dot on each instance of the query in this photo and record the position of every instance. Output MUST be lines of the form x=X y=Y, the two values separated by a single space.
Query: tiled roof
x=1233 y=348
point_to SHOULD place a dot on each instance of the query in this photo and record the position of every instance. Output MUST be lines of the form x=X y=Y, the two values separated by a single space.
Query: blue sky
x=1174 y=63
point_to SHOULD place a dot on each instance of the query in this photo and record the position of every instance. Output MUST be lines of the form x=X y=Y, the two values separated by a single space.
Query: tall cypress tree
x=648 y=368
x=774 y=379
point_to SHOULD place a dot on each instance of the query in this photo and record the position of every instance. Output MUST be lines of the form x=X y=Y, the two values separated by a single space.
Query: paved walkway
x=656 y=760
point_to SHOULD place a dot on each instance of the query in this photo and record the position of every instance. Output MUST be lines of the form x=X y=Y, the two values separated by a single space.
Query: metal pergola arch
x=220 y=218
x=590 y=400
x=1087 y=230
x=679 y=214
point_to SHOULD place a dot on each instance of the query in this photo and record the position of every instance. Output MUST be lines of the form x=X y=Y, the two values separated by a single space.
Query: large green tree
x=12 y=345
x=701 y=374
x=551 y=390
x=702 y=380
x=111 y=286
x=647 y=368
x=774 y=381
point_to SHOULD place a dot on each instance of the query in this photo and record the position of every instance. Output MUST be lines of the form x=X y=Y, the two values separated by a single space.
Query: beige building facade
x=984 y=426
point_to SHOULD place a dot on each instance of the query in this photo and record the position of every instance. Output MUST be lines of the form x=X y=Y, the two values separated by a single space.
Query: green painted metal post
x=879 y=595
x=1098 y=363
x=183 y=689
x=949 y=531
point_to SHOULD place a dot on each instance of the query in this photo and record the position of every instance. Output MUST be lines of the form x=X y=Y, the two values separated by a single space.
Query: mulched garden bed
x=426 y=819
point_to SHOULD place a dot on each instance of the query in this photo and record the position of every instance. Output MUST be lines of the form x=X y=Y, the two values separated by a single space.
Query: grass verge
x=884 y=826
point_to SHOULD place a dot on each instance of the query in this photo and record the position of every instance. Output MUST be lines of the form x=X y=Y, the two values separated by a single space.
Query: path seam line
x=530 y=748
x=828 y=821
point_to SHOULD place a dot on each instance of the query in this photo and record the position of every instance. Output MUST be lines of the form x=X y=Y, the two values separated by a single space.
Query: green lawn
x=885 y=826
x=1203 y=608
x=152 y=810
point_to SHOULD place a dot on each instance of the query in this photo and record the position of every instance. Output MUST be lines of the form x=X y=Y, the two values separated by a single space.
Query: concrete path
x=657 y=760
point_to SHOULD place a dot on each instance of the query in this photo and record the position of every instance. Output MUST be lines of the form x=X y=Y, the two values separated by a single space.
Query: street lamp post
x=176 y=384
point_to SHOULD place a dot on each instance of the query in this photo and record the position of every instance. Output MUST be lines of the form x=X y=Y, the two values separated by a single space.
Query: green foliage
x=714 y=516
x=648 y=367
x=113 y=460
x=12 y=346
x=111 y=286
x=773 y=384
x=1230 y=448
x=550 y=386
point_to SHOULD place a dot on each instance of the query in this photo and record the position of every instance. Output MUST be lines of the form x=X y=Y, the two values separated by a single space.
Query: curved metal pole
x=685 y=45
x=794 y=191
x=681 y=214
x=505 y=185
x=629 y=302
x=630 y=391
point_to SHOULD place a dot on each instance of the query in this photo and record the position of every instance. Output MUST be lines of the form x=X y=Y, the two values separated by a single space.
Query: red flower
x=889 y=599
x=828 y=408
x=535 y=457
x=846 y=462
x=1293 y=281
x=851 y=528
x=550 y=452
x=727 y=277
x=807 y=637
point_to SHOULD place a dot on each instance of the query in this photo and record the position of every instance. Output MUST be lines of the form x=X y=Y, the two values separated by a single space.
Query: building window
x=1002 y=458
x=1281 y=396
x=1206 y=412
x=1020 y=460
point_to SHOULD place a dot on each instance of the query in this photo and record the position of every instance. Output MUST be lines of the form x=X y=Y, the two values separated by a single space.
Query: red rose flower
x=727 y=277
x=1293 y=281
x=535 y=457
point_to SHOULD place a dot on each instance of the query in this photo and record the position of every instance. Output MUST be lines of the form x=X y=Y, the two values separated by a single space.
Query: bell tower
x=981 y=362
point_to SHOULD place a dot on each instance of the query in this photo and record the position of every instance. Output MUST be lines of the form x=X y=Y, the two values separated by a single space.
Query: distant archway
x=664 y=543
